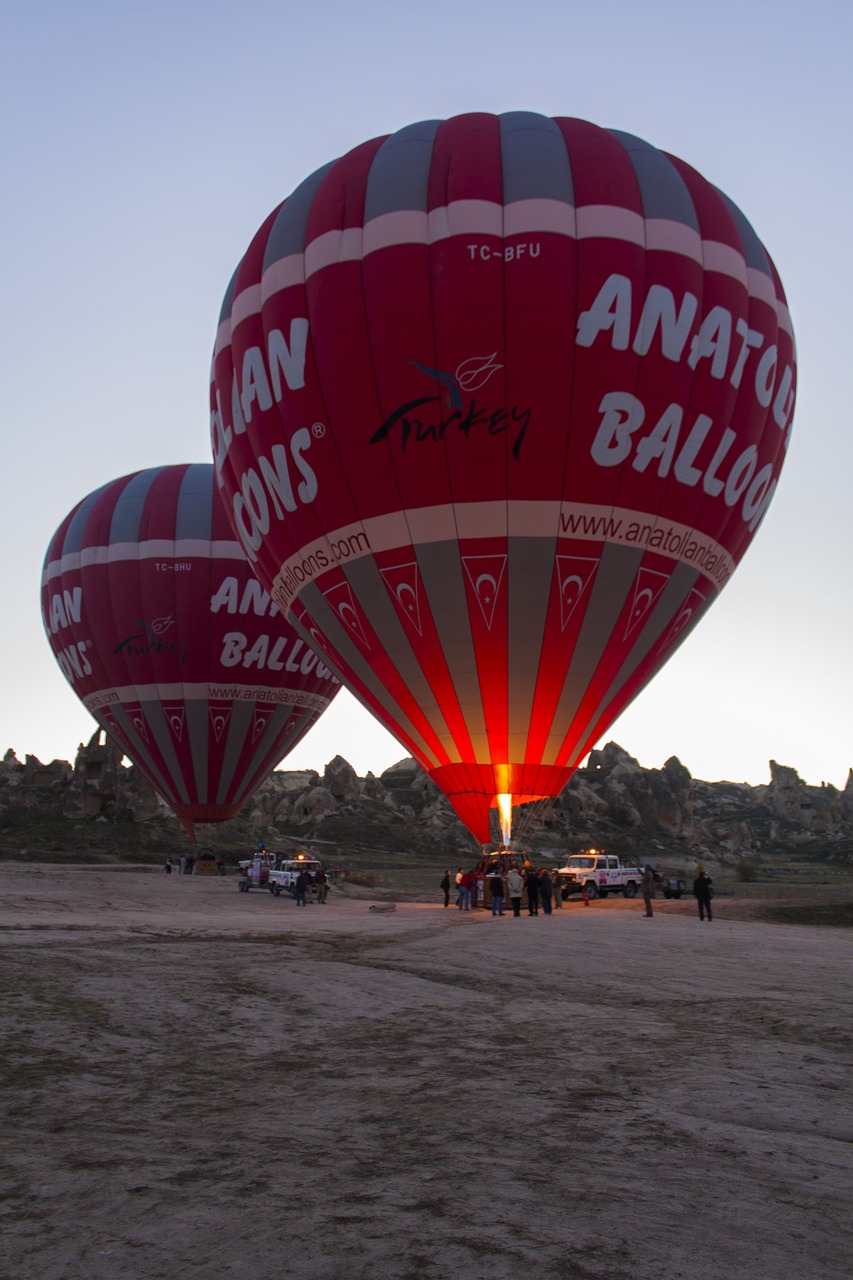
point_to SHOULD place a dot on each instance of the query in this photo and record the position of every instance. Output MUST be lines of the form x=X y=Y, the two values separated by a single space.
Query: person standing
x=532 y=882
x=167 y=866
x=496 y=889
x=301 y=887
x=546 y=889
x=465 y=886
x=459 y=874
x=515 y=885
x=445 y=887
x=322 y=885
x=703 y=892
x=647 y=888
x=557 y=889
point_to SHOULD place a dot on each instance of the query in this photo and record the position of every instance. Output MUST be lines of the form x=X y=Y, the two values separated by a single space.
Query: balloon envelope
x=498 y=404
x=164 y=633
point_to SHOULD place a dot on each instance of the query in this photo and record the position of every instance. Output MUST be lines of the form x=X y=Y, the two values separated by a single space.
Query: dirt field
x=197 y=1082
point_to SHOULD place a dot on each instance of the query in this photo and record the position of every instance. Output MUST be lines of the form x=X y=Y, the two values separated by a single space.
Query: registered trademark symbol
x=318 y=430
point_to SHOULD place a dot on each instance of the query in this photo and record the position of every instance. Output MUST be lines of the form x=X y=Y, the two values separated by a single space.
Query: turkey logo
x=470 y=375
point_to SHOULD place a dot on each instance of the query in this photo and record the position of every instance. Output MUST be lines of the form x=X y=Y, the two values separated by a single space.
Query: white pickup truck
x=282 y=877
x=596 y=874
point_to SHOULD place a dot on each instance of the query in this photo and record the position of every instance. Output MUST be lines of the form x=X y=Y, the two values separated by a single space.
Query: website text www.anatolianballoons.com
x=574 y=520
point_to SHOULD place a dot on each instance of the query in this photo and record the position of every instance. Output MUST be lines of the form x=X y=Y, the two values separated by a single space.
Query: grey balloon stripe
x=357 y=660
x=137 y=742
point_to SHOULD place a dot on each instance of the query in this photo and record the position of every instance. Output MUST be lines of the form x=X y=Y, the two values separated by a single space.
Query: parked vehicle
x=673 y=887
x=254 y=872
x=282 y=877
x=596 y=873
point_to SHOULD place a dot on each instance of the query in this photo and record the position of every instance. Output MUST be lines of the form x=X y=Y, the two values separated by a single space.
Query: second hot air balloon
x=163 y=631
x=498 y=404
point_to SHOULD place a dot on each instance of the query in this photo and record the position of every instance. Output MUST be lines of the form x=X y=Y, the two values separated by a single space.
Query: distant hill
x=99 y=808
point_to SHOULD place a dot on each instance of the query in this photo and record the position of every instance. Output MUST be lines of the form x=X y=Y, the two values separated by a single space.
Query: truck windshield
x=582 y=862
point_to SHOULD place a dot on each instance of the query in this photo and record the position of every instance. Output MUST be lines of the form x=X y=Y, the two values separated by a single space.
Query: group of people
x=542 y=886
x=703 y=892
x=187 y=867
x=544 y=889
x=311 y=886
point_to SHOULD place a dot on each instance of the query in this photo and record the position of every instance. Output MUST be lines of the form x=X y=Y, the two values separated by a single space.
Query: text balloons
x=498 y=404
x=165 y=634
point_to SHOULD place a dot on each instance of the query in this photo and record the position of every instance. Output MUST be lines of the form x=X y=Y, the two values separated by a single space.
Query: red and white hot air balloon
x=167 y=637
x=498 y=404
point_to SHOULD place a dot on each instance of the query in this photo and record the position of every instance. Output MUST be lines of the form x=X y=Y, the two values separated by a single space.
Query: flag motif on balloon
x=163 y=631
x=497 y=406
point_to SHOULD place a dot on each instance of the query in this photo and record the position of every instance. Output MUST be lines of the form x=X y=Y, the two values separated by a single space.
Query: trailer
x=254 y=872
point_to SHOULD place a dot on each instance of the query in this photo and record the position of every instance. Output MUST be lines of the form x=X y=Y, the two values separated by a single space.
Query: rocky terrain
x=99 y=805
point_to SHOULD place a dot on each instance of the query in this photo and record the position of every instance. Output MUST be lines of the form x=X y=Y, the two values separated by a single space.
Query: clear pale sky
x=142 y=146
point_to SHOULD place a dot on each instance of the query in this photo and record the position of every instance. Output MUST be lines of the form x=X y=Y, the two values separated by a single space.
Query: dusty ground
x=197 y=1082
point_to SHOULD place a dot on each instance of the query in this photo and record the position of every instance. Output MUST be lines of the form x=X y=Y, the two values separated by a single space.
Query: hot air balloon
x=166 y=636
x=497 y=406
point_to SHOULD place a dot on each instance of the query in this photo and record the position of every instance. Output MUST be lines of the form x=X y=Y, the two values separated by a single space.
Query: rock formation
x=613 y=803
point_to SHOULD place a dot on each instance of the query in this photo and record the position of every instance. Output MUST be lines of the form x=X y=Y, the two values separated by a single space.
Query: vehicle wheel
x=630 y=890
x=677 y=893
x=293 y=891
x=667 y=893
x=276 y=888
x=602 y=893
x=591 y=890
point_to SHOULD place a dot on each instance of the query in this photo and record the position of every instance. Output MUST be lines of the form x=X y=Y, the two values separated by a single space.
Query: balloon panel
x=498 y=404
x=165 y=634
